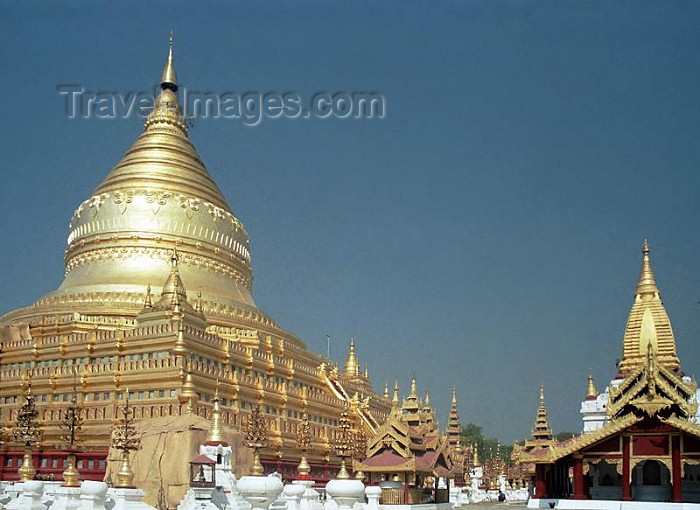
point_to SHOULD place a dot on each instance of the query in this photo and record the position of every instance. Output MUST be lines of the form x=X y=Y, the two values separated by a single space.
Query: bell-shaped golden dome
x=157 y=198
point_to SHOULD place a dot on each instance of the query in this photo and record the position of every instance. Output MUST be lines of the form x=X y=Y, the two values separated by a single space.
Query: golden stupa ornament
x=125 y=440
x=304 y=442
x=344 y=444
x=256 y=438
x=28 y=432
x=216 y=432
x=72 y=427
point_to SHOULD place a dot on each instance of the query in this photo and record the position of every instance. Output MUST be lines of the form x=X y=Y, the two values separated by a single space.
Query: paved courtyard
x=493 y=506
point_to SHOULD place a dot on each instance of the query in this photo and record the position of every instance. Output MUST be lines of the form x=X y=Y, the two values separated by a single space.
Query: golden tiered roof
x=542 y=431
x=402 y=444
x=648 y=324
x=454 y=424
x=651 y=388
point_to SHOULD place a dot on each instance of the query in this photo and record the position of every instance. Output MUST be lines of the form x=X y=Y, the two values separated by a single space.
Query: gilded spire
x=426 y=405
x=174 y=293
x=168 y=79
x=159 y=194
x=148 y=302
x=648 y=324
x=591 y=393
x=386 y=389
x=216 y=432
x=454 y=423
x=414 y=391
x=646 y=288
x=395 y=400
x=542 y=429
x=352 y=366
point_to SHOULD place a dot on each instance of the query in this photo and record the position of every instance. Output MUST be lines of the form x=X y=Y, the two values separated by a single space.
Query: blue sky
x=485 y=234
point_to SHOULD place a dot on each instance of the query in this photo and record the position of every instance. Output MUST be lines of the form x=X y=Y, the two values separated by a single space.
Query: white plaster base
x=66 y=498
x=128 y=499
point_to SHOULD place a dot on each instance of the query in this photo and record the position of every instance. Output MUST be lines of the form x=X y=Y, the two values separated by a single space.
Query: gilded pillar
x=677 y=494
x=626 y=489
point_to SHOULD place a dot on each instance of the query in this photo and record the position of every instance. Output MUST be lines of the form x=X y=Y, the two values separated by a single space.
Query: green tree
x=486 y=447
x=563 y=436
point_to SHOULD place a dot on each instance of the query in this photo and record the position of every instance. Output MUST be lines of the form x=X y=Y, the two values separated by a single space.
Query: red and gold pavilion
x=647 y=448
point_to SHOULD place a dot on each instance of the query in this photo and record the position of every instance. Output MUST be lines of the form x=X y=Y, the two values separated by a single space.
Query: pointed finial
x=352 y=366
x=414 y=390
x=395 y=399
x=168 y=79
x=148 y=302
x=454 y=395
x=427 y=400
x=591 y=393
x=215 y=434
x=198 y=303
x=541 y=393
x=386 y=389
x=647 y=284
x=366 y=370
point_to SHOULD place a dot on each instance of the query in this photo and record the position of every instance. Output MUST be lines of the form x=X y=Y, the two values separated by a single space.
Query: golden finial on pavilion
x=188 y=394
x=395 y=400
x=542 y=430
x=646 y=287
x=366 y=371
x=125 y=440
x=591 y=393
x=414 y=390
x=180 y=348
x=28 y=432
x=198 y=303
x=168 y=79
x=386 y=389
x=256 y=438
x=344 y=444
x=454 y=394
x=541 y=393
x=352 y=366
x=304 y=443
x=426 y=406
x=148 y=302
x=215 y=435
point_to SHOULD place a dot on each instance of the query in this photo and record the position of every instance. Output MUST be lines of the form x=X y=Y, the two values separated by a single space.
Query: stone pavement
x=494 y=506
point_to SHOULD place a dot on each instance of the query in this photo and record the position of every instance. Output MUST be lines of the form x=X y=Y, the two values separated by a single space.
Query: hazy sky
x=485 y=234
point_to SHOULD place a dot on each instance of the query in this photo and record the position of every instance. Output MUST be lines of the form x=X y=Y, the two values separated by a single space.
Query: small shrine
x=407 y=453
x=642 y=442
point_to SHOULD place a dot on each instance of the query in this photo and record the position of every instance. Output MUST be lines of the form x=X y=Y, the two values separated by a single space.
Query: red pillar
x=579 y=490
x=626 y=489
x=677 y=495
x=540 y=482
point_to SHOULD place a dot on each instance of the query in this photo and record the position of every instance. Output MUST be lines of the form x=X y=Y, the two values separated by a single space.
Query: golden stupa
x=155 y=233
